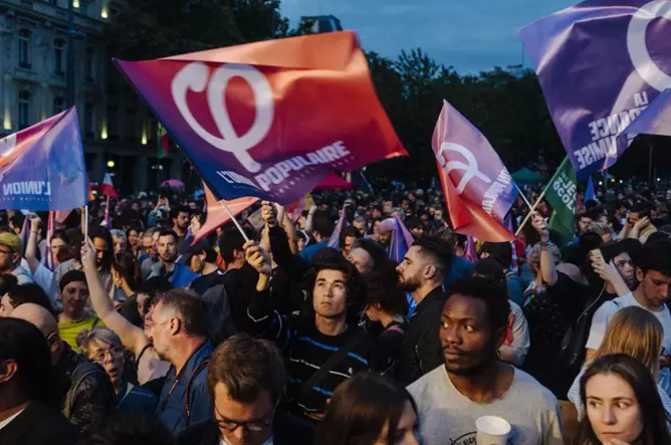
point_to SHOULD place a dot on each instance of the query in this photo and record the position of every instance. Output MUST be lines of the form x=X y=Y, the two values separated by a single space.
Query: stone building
x=52 y=55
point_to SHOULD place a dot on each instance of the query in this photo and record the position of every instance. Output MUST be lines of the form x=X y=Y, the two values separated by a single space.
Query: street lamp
x=111 y=163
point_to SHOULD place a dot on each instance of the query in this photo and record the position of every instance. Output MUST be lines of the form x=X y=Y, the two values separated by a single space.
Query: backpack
x=572 y=351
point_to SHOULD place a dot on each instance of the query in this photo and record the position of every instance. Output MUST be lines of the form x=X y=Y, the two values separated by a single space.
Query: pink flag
x=477 y=186
x=217 y=215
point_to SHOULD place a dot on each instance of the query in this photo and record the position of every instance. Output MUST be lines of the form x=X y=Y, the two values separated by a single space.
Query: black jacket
x=207 y=433
x=82 y=390
x=38 y=424
x=420 y=350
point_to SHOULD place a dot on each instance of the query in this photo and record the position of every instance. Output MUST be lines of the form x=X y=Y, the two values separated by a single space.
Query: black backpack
x=572 y=351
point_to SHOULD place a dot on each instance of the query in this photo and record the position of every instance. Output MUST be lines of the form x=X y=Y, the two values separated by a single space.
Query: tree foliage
x=506 y=105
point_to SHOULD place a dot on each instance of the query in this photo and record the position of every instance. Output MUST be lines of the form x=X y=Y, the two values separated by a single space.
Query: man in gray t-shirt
x=473 y=382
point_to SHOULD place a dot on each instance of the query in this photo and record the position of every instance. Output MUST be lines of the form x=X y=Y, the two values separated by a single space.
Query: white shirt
x=447 y=416
x=9 y=419
x=516 y=344
x=603 y=315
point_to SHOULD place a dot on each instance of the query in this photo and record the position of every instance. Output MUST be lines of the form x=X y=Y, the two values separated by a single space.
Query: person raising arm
x=136 y=340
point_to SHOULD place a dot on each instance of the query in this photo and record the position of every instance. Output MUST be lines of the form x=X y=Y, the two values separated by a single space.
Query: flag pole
x=235 y=221
x=532 y=209
x=522 y=195
x=85 y=222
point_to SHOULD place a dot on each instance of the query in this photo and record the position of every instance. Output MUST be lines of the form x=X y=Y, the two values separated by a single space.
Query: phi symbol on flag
x=194 y=77
x=470 y=168
x=636 y=45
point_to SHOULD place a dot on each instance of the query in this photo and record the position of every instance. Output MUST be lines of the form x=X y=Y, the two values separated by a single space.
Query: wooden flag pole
x=523 y=196
x=235 y=221
x=533 y=208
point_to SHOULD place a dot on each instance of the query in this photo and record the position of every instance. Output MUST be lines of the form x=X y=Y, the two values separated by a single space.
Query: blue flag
x=589 y=193
x=42 y=167
x=604 y=67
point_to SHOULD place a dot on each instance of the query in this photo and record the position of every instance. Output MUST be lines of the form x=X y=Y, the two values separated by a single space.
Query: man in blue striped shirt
x=310 y=339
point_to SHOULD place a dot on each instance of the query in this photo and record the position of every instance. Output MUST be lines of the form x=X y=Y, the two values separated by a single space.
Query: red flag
x=460 y=148
x=217 y=215
x=270 y=119
x=107 y=187
x=334 y=181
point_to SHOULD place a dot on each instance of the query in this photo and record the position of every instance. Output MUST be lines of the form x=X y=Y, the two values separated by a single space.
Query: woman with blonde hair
x=637 y=333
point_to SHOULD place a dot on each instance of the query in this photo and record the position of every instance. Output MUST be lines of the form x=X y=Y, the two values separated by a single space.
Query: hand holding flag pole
x=532 y=209
x=562 y=180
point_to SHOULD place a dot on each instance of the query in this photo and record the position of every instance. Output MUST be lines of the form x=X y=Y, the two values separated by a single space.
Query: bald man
x=80 y=388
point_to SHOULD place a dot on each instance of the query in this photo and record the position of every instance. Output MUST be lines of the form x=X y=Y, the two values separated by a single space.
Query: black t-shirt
x=203 y=283
x=549 y=313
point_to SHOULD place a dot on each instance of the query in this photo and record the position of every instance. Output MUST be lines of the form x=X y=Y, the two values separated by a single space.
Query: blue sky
x=471 y=35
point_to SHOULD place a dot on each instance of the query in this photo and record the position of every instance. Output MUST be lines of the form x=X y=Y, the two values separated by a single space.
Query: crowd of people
x=309 y=329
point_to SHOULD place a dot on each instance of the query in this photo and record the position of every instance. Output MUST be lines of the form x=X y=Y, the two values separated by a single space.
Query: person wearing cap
x=10 y=257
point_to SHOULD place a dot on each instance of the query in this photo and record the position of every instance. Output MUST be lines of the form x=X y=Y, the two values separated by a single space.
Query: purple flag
x=468 y=161
x=602 y=65
x=42 y=167
x=401 y=240
x=334 y=240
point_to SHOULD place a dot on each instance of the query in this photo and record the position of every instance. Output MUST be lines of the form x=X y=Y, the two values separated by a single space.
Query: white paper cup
x=492 y=430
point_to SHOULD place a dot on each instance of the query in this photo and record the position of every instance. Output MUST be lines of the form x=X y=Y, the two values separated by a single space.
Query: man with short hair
x=211 y=287
x=421 y=273
x=10 y=257
x=180 y=221
x=653 y=273
x=473 y=382
x=239 y=279
x=81 y=388
x=322 y=228
x=25 y=365
x=348 y=237
x=149 y=257
x=178 y=274
x=179 y=336
x=246 y=379
x=637 y=224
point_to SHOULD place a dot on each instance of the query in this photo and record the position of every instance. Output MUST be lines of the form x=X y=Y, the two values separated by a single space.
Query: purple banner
x=602 y=65
x=465 y=155
x=42 y=167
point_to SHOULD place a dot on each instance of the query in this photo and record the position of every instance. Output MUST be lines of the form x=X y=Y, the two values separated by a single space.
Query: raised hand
x=257 y=258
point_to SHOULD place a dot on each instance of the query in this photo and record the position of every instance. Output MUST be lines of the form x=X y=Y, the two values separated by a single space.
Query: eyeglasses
x=113 y=352
x=254 y=426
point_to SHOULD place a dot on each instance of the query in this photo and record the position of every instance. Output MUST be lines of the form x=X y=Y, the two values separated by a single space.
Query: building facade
x=53 y=55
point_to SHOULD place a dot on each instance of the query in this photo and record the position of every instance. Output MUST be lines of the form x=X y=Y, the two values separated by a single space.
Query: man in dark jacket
x=78 y=387
x=246 y=378
x=421 y=273
x=25 y=419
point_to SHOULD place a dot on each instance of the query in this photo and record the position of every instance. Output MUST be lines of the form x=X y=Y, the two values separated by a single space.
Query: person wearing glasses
x=246 y=378
x=10 y=257
x=102 y=346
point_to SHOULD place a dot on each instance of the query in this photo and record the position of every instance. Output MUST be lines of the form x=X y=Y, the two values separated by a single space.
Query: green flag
x=561 y=195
